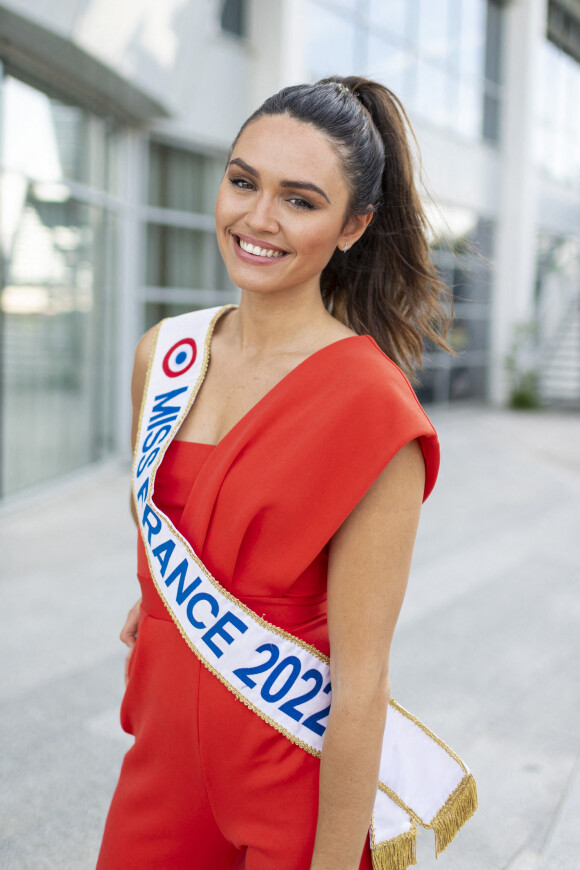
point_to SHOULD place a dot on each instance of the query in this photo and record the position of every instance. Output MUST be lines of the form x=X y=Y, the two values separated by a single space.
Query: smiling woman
x=281 y=458
x=291 y=200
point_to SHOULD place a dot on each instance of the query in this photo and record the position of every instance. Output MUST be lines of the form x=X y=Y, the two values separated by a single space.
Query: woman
x=297 y=476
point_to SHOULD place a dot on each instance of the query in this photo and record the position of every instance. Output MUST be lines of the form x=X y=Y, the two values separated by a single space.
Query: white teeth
x=257 y=251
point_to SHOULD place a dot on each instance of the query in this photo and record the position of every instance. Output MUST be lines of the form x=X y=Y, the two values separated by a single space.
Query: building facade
x=112 y=145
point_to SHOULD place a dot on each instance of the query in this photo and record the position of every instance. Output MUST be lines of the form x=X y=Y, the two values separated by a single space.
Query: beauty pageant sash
x=282 y=679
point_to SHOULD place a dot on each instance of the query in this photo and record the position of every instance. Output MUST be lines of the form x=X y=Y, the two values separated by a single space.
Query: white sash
x=281 y=678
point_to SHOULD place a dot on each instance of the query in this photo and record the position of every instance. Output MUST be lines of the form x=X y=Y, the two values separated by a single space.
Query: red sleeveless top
x=260 y=507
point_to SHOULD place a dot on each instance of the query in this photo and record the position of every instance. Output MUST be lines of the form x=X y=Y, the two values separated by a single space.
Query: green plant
x=522 y=368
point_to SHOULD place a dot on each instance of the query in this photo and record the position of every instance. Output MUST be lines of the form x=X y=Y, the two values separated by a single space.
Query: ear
x=353 y=229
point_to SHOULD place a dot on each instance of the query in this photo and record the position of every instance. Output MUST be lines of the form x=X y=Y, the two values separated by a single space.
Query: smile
x=257 y=251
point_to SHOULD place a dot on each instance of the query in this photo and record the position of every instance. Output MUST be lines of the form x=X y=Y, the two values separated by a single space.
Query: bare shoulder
x=401 y=483
x=398 y=489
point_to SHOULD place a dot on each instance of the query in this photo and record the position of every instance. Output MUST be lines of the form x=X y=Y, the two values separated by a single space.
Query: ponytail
x=385 y=285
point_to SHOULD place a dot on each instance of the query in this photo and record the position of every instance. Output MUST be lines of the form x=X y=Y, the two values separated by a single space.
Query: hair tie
x=343 y=88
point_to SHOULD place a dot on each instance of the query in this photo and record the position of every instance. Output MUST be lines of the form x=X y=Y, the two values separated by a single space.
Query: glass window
x=391 y=65
x=52 y=140
x=467 y=382
x=112 y=169
x=180 y=257
x=470 y=283
x=471 y=35
x=466 y=108
x=431 y=100
x=156 y=311
x=493 y=42
x=543 y=144
x=572 y=79
x=557 y=98
x=469 y=333
x=391 y=16
x=56 y=310
x=558 y=120
x=462 y=245
x=442 y=57
x=72 y=138
x=331 y=42
x=433 y=29
x=347 y=5
x=453 y=37
x=413 y=15
x=57 y=298
x=434 y=384
x=183 y=268
x=559 y=163
x=491 y=117
x=459 y=230
x=40 y=138
x=183 y=180
x=233 y=17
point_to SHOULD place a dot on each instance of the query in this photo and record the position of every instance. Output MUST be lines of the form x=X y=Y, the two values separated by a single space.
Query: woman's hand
x=129 y=634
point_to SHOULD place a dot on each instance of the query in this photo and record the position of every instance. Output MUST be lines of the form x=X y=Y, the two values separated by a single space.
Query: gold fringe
x=455 y=812
x=396 y=854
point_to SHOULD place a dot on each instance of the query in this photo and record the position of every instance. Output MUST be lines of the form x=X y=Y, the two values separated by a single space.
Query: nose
x=262 y=216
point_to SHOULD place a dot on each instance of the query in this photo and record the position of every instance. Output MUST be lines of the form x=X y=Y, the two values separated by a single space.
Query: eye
x=241 y=183
x=300 y=203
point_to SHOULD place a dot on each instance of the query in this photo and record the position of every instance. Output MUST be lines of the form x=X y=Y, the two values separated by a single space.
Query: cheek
x=222 y=220
x=219 y=206
x=320 y=241
x=225 y=210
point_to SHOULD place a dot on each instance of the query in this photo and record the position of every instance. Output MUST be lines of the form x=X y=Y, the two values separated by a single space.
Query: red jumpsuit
x=208 y=785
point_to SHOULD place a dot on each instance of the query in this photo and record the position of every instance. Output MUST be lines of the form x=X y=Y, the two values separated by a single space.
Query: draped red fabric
x=206 y=776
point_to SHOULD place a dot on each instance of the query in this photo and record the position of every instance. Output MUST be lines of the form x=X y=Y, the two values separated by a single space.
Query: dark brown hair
x=386 y=284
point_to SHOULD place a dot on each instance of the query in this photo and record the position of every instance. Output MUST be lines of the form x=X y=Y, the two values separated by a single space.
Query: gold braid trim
x=396 y=854
x=455 y=812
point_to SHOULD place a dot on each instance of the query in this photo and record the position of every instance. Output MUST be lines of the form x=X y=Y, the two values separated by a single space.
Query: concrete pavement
x=487 y=651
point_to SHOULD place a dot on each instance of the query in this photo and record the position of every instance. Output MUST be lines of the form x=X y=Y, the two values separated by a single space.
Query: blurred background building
x=115 y=121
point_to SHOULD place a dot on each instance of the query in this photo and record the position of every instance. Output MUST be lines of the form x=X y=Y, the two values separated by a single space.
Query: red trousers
x=207 y=785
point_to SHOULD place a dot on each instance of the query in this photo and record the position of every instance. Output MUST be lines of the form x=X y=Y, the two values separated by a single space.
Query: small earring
x=345 y=247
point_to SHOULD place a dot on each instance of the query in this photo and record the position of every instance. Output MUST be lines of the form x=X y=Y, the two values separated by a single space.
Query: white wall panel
x=175 y=51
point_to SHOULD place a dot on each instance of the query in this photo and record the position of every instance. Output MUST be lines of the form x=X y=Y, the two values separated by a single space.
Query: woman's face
x=281 y=207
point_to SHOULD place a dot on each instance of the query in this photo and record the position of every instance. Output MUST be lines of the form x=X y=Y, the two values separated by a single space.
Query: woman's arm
x=144 y=348
x=369 y=562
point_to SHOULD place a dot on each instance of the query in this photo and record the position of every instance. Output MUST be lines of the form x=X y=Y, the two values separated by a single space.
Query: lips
x=257 y=249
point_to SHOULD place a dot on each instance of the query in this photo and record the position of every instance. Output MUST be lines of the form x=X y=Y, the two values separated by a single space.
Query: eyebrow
x=298 y=185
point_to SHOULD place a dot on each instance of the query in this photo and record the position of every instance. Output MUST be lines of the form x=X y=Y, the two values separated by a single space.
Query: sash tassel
x=396 y=854
x=455 y=812
x=401 y=852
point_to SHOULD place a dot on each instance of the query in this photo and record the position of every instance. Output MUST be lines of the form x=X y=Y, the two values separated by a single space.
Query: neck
x=279 y=321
